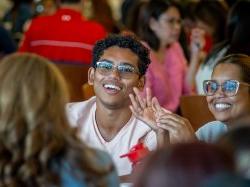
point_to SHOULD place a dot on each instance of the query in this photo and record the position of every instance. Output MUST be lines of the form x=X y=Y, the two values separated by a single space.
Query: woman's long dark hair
x=238 y=28
x=153 y=9
x=237 y=31
x=212 y=13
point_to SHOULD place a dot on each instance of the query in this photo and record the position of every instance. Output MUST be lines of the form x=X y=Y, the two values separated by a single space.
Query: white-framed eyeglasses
x=125 y=70
x=228 y=87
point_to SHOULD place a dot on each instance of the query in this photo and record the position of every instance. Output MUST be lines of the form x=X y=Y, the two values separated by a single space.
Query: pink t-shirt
x=168 y=80
x=82 y=116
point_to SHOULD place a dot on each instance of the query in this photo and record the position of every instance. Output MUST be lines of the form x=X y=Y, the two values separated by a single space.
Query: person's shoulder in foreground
x=70 y=176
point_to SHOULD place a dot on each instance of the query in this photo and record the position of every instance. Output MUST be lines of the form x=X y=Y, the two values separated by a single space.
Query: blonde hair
x=33 y=124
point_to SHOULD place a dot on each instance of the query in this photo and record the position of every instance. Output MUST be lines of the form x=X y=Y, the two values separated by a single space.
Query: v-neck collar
x=117 y=136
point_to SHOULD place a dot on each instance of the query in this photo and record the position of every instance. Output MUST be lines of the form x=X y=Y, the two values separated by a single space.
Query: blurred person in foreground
x=237 y=140
x=184 y=165
x=226 y=180
x=65 y=36
x=38 y=147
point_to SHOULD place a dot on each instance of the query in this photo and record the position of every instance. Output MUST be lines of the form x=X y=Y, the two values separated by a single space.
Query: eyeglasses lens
x=125 y=70
x=210 y=87
x=229 y=87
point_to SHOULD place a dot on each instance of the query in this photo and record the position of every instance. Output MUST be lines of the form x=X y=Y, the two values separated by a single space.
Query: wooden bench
x=195 y=109
x=76 y=75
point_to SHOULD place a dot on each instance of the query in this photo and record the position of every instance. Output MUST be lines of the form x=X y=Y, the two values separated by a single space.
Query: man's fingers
x=134 y=102
x=139 y=98
x=155 y=105
x=167 y=111
x=149 y=97
x=169 y=128
x=133 y=111
x=172 y=117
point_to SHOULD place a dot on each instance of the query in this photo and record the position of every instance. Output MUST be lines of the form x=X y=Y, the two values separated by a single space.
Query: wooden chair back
x=87 y=91
x=195 y=109
x=76 y=75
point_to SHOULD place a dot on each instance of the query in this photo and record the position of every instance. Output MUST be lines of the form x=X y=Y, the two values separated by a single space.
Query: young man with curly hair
x=106 y=121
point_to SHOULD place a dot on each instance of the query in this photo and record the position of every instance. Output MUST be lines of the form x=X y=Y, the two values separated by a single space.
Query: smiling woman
x=228 y=98
x=228 y=94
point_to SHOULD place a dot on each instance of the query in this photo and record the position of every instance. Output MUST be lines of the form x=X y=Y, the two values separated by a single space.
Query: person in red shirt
x=65 y=36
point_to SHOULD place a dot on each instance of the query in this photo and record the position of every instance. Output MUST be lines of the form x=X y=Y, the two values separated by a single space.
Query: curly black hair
x=124 y=41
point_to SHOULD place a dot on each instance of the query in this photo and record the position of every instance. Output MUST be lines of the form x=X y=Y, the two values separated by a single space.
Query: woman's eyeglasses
x=125 y=70
x=228 y=87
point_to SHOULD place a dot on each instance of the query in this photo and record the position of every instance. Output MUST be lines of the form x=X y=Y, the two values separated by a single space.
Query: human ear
x=91 y=76
x=153 y=24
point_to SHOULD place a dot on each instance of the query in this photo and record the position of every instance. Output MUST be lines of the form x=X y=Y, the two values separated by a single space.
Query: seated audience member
x=237 y=41
x=102 y=13
x=228 y=95
x=15 y=18
x=38 y=147
x=7 y=44
x=184 y=165
x=106 y=121
x=228 y=98
x=237 y=140
x=160 y=27
x=204 y=25
x=127 y=13
x=211 y=16
x=65 y=36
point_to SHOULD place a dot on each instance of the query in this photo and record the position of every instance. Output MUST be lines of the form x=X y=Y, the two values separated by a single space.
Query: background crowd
x=140 y=65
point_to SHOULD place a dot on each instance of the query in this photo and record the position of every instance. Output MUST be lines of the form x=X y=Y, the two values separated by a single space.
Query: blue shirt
x=211 y=131
x=73 y=177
